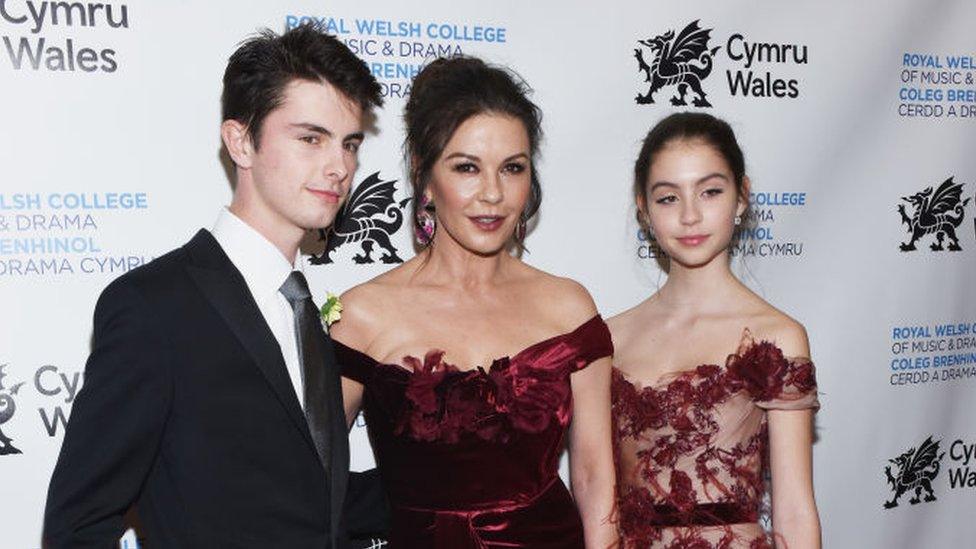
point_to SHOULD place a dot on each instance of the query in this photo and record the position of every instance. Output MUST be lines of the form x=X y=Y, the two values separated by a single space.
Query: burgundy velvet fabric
x=469 y=458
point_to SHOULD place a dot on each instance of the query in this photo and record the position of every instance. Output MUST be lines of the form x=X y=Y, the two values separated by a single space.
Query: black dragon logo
x=937 y=213
x=7 y=409
x=683 y=61
x=371 y=216
x=917 y=468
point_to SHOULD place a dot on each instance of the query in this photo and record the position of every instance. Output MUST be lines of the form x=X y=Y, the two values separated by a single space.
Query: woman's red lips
x=487 y=222
x=693 y=240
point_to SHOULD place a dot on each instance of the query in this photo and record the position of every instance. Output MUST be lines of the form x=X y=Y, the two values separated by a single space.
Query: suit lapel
x=225 y=289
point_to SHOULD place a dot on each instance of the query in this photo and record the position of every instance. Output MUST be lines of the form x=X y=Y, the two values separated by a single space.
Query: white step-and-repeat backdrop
x=858 y=121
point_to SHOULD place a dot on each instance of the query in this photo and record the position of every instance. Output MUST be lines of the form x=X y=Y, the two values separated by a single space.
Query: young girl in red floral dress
x=712 y=388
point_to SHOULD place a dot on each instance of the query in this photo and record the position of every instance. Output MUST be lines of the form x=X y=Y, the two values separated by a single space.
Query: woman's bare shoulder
x=772 y=324
x=564 y=299
x=366 y=309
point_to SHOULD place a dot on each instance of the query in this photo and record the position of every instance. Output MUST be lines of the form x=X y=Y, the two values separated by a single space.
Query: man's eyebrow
x=308 y=126
x=312 y=128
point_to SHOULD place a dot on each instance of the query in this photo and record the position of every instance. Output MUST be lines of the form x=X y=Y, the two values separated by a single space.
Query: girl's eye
x=714 y=192
x=669 y=199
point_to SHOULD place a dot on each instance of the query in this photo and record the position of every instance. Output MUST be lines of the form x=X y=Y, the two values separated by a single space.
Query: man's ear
x=238 y=142
x=744 y=196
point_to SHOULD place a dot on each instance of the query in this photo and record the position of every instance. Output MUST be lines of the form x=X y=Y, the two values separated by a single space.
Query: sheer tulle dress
x=690 y=449
x=469 y=458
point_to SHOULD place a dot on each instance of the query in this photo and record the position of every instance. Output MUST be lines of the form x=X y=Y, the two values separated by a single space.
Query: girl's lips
x=328 y=196
x=487 y=222
x=693 y=240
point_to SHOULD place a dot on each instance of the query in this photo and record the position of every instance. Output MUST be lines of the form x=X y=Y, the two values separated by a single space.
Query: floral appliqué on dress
x=691 y=451
x=443 y=402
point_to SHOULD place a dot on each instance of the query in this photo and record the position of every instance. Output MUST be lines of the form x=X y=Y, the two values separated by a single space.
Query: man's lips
x=328 y=196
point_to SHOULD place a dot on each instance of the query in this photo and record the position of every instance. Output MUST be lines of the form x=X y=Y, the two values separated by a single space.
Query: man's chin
x=321 y=221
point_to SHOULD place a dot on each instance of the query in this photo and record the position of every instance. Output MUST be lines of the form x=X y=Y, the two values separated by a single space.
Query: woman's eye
x=666 y=199
x=515 y=167
x=465 y=167
x=714 y=192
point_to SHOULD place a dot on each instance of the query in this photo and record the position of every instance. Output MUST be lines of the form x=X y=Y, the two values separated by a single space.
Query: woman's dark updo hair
x=688 y=126
x=451 y=90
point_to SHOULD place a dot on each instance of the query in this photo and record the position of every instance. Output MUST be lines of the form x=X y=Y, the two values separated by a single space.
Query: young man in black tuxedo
x=211 y=396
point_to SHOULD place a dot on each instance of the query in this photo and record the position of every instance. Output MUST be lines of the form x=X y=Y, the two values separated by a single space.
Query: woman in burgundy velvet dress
x=709 y=379
x=471 y=366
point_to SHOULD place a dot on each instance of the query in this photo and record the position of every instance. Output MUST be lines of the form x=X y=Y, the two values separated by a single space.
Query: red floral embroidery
x=469 y=405
x=532 y=396
x=682 y=494
x=802 y=377
x=444 y=402
x=759 y=370
x=424 y=422
x=699 y=441
x=429 y=375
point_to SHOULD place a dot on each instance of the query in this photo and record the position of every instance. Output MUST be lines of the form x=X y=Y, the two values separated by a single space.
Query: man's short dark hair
x=258 y=72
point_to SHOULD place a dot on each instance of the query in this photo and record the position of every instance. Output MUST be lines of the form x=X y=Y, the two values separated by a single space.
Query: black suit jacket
x=187 y=410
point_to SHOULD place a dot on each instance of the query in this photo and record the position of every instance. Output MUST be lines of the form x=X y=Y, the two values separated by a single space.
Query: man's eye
x=353 y=146
x=310 y=139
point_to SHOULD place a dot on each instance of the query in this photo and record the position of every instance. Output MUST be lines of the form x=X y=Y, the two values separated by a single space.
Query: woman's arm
x=352 y=399
x=591 y=453
x=591 y=468
x=796 y=523
x=353 y=330
x=795 y=518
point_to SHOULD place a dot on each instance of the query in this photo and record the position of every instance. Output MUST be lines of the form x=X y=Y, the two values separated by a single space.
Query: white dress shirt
x=264 y=269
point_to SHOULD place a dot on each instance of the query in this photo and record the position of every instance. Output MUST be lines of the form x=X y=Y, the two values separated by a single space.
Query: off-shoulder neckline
x=746 y=342
x=595 y=319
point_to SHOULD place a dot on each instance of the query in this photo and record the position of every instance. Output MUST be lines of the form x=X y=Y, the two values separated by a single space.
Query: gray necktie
x=312 y=357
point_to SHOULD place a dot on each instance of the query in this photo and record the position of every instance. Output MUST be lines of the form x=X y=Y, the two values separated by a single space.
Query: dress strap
x=592 y=341
x=773 y=380
x=353 y=364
